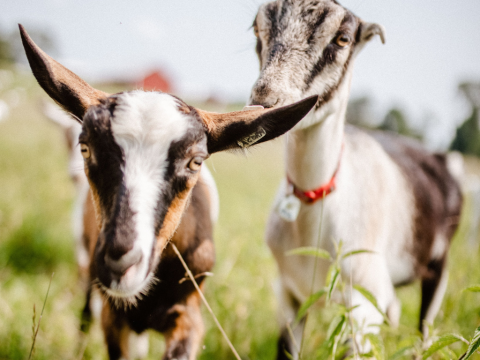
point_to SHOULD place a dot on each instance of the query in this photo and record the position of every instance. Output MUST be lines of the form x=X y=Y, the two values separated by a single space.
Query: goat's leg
x=116 y=332
x=434 y=286
x=184 y=338
x=138 y=345
x=370 y=271
x=290 y=338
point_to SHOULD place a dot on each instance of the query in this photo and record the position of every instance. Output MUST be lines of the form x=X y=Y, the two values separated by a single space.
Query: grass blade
x=440 y=343
x=474 y=345
x=474 y=288
x=337 y=326
x=40 y=319
x=356 y=252
x=401 y=353
x=333 y=283
x=308 y=303
x=378 y=348
x=369 y=296
x=310 y=251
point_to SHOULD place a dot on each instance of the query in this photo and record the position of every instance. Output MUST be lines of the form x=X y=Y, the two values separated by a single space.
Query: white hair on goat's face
x=306 y=47
x=141 y=145
x=145 y=125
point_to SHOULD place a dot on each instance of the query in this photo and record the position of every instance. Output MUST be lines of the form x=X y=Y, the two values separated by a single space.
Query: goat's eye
x=342 y=40
x=85 y=151
x=255 y=31
x=195 y=163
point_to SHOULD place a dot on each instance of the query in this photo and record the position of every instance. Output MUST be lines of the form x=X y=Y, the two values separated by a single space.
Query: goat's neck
x=313 y=153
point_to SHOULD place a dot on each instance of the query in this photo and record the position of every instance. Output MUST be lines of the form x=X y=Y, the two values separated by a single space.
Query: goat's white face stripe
x=144 y=125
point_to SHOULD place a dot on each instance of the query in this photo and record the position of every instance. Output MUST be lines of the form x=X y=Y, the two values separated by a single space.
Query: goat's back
x=437 y=195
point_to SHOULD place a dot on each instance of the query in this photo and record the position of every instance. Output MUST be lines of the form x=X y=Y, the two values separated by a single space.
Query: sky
x=207 y=48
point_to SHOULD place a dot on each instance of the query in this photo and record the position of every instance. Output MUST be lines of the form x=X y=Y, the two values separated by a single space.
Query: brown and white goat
x=143 y=155
x=390 y=195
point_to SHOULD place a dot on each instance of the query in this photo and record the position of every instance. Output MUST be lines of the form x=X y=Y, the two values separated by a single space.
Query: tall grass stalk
x=207 y=305
x=317 y=244
x=40 y=318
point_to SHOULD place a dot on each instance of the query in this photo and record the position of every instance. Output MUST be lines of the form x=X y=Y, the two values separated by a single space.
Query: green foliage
x=31 y=248
x=467 y=136
x=310 y=251
x=35 y=210
x=376 y=342
x=356 y=252
x=442 y=342
x=311 y=300
x=369 y=296
x=360 y=113
x=473 y=346
x=474 y=288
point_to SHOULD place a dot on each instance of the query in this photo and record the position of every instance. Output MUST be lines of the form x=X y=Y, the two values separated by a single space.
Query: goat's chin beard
x=127 y=300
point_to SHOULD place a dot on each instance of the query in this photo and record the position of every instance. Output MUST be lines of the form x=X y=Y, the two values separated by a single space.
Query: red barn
x=155 y=81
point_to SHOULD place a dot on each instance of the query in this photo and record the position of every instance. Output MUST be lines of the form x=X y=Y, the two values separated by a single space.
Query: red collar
x=312 y=196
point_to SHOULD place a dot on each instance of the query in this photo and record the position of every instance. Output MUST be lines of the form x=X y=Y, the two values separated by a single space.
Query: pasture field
x=36 y=198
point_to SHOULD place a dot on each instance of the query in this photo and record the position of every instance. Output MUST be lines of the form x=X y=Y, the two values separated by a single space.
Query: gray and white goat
x=388 y=194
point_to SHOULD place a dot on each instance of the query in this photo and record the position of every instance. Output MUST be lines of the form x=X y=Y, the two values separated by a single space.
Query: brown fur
x=168 y=304
x=182 y=322
x=174 y=216
x=215 y=122
x=116 y=333
x=84 y=95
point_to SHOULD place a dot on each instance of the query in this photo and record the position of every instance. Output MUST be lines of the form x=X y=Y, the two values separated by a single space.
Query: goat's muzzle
x=122 y=275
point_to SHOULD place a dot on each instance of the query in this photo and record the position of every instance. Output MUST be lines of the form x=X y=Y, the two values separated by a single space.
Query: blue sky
x=206 y=47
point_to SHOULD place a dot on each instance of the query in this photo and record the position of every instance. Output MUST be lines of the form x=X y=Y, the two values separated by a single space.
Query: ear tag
x=288 y=208
x=256 y=136
x=252 y=139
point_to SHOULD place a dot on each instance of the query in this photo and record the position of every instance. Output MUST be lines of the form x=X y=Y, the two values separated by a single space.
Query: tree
x=467 y=136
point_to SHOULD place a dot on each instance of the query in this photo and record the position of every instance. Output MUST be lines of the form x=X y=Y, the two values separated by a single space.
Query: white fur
x=364 y=212
x=144 y=125
x=207 y=179
x=83 y=257
x=138 y=345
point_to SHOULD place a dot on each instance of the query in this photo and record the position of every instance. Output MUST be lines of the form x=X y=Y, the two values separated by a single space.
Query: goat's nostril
x=263 y=102
x=121 y=265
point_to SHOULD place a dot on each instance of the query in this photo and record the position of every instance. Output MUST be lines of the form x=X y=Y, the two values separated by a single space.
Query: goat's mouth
x=124 y=286
x=127 y=295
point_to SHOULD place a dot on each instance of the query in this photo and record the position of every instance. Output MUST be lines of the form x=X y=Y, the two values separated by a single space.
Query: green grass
x=36 y=199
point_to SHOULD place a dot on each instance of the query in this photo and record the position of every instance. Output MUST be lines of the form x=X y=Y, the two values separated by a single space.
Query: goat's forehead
x=148 y=118
x=297 y=17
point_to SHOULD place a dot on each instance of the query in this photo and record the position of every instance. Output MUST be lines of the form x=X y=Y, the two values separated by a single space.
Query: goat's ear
x=368 y=32
x=242 y=129
x=62 y=85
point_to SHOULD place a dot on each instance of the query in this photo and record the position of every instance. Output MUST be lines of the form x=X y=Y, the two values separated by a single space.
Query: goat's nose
x=122 y=264
x=263 y=95
x=266 y=103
